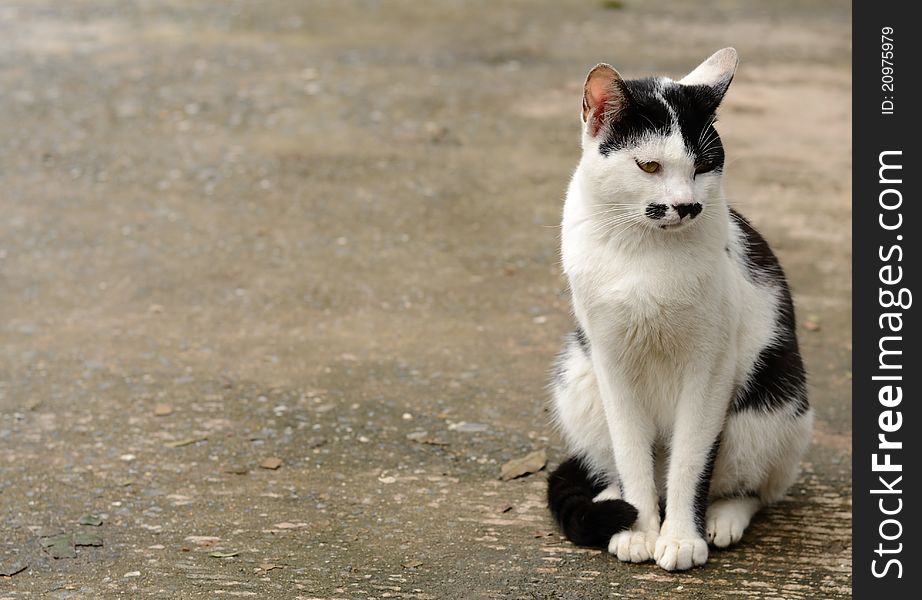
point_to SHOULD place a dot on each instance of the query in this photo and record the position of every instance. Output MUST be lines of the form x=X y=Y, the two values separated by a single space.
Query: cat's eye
x=648 y=167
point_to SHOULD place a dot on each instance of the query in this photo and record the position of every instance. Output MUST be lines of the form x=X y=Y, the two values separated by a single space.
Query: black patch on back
x=646 y=112
x=779 y=376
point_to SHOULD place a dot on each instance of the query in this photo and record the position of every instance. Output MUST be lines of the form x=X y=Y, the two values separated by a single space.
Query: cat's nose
x=689 y=209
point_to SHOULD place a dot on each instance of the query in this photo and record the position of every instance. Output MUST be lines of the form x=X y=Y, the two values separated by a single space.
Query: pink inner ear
x=597 y=111
x=599 y=91
x=597 y=114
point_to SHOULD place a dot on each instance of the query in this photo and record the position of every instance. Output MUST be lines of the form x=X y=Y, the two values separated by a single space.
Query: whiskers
x=735 y=202
x=613 y=218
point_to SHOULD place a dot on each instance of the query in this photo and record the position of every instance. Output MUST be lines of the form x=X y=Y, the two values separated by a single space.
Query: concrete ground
x=279 y=290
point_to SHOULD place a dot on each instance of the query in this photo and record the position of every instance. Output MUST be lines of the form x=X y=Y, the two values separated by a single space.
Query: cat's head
x=650 y=150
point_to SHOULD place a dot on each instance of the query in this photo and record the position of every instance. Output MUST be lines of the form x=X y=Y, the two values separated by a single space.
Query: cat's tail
x=570 y=490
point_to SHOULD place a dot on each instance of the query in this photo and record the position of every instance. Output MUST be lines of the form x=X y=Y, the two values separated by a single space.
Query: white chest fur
x=645 y=287
x=664 y=305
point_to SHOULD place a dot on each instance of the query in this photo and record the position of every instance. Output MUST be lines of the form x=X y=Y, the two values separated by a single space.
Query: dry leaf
x=204 y=541
x=287 y=525
x=519 y=467
x=272 y=463
x=185 y=442
x=60 y=546
x=86 y=538
x=423 y=437
x=433 y=442
x=8 y=570
x=92 y=520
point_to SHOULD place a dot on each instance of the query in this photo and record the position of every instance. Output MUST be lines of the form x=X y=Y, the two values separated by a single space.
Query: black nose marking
x=656 y=211
x=692 y=210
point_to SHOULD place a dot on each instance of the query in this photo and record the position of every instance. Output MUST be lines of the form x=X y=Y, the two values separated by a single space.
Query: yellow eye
x=648 y=167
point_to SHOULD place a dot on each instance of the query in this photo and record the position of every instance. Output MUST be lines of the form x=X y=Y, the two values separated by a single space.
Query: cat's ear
x=716 y=72
x=604 y=97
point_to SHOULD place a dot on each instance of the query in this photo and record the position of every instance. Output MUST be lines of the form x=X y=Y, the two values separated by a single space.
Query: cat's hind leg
x=759 y=460
x=728 y=518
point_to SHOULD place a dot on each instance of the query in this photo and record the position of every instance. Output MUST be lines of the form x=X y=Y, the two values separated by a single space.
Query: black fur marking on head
x=695 y=107
x=650 y=105
x=570 y=490
x=779 y=377
x=656 y=211
x=644 y=113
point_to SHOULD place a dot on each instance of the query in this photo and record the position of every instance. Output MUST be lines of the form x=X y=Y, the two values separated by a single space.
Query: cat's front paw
x=633 y=546
x=675 y=553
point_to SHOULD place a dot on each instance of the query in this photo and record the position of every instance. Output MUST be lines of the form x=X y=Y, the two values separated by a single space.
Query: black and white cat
x=683 y=382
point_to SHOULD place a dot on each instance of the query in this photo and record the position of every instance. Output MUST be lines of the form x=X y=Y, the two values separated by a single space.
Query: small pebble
x=272 y=463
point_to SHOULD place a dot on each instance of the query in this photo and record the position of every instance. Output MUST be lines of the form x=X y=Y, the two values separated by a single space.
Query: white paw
x=679 y=554
x=726 y=522
x=633 y=546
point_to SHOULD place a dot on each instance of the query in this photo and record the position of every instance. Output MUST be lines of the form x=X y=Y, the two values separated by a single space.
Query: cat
x=683 y=381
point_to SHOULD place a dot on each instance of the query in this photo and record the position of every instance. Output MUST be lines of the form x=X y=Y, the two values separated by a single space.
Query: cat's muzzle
x=675 y=216
x=690 y=210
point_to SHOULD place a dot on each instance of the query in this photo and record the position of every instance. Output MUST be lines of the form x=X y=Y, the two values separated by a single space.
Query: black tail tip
x=571 y=489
